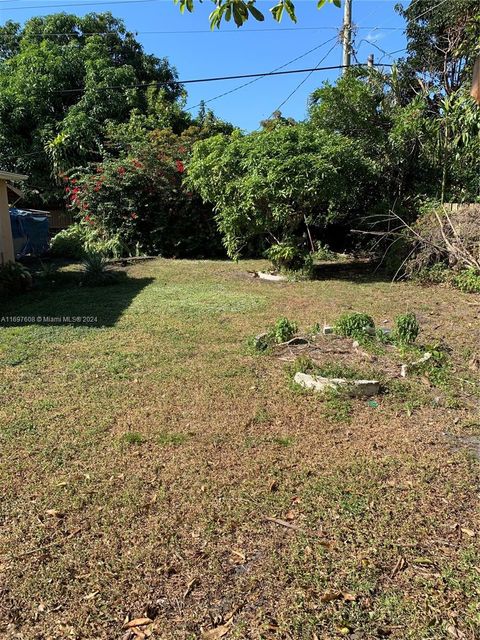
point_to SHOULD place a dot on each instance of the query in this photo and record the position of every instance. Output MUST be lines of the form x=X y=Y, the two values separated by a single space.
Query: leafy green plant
x=468 y=281
x=285 y=256
x=96 y=272
x=324 y=253
x=354 y=325
x=283 y=330
x=281 y=183
x=14 y=278
x=69 y=243
x=406 y=329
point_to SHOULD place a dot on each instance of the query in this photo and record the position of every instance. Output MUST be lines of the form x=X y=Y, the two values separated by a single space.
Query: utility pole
x=347 y=35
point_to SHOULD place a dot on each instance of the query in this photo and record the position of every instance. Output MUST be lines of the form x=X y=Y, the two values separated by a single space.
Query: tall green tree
x=62 y=79
x=442 y=41
x=283 y=186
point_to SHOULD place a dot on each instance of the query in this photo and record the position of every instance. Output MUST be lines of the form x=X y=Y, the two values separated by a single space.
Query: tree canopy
x=277 y=184
x=62 y=79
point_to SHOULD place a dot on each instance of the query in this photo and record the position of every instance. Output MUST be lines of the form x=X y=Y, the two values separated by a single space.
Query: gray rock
x=273 y=277
x=358 y=388
x=327 y=329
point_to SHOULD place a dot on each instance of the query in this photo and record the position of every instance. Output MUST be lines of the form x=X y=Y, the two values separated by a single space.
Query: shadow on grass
x=356 y=271
x=65 y=302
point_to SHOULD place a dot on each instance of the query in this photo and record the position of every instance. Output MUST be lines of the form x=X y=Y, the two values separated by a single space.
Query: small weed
x=283 y=330
x=302 y=364
x=132 y=438
x=261 y=416
x=406 y=329
x=315 y=329
x=354 y=325
x=171 y=439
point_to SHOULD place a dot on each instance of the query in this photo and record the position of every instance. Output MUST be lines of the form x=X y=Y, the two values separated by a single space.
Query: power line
x=429 y=9
x=385 y=53
x=317 y=68
x=245 y=84
x=79 y=34
x=218 y=78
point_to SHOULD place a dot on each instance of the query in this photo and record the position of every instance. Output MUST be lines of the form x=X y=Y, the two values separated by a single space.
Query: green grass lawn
x=143 y=452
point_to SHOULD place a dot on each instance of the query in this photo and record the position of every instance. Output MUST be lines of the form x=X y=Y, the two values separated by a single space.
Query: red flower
x=67 y=190
x=73 y=181
x=180 y=166
x=182 y=149
x=121 y=171
x=133 y=216
x=88 y=219
x=137 y=164
x=98 y=186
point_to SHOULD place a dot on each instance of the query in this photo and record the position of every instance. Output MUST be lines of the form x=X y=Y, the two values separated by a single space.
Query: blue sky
x=257 y=47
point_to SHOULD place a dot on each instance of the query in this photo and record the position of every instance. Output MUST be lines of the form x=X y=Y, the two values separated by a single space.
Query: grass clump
x=304 y=364
x=171 y=439
x=354 y=325
x=132 y=438
x=406 y=329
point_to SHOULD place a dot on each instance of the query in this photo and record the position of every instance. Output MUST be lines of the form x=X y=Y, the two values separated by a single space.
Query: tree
x=276 y=120
x=63 y=78
x=241 y=10
x=443 y=41
x=284 y=186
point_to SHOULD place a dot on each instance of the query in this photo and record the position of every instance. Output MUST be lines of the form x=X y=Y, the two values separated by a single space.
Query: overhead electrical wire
x=245 y=84
x=217 y=78
x=47 y=34
x=316 y=68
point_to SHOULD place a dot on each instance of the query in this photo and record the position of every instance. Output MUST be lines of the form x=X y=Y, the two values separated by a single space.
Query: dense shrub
x=140 y=200
x=468 y=281
x=69 y=243
x=281 y=184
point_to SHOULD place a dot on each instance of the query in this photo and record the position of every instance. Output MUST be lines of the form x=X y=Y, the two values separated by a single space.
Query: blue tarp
x=29 y=231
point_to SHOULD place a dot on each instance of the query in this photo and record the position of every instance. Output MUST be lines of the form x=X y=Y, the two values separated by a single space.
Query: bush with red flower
x=140 y=198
